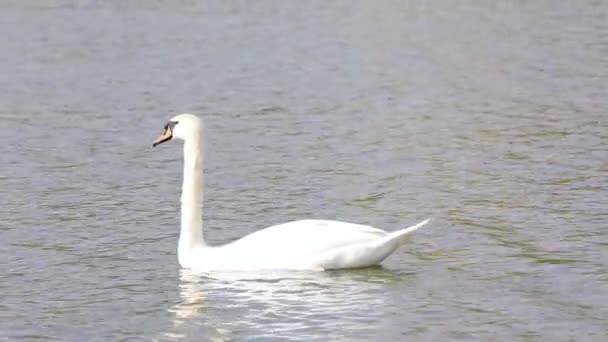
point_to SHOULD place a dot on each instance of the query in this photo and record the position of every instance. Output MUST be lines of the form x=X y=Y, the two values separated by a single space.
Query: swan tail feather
x=368 y=253
x=401 y=235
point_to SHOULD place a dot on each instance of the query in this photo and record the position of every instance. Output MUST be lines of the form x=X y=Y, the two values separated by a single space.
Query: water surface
x=490 y=118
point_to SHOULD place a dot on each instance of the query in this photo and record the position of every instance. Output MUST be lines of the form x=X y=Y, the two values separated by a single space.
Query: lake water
x=490 y=118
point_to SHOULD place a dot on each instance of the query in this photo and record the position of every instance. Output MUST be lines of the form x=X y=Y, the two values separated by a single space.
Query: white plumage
x=301 y=245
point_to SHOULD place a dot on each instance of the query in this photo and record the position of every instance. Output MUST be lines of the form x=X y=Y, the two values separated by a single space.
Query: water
x=490 y=118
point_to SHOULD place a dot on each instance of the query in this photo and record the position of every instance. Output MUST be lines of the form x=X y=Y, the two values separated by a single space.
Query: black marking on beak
x=166 y=135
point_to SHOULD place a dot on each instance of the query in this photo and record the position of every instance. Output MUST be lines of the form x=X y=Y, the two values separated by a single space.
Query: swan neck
x=191 y=235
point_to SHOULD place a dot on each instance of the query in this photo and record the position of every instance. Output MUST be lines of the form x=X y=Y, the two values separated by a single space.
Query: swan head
x=183 y=126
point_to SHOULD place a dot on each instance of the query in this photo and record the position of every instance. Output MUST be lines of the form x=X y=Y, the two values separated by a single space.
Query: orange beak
x=166 y=135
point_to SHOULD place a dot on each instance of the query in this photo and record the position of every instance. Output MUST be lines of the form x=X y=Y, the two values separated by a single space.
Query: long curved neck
x=191 y=234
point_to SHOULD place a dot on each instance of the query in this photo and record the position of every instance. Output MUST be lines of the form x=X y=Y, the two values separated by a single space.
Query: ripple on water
x=488 y=117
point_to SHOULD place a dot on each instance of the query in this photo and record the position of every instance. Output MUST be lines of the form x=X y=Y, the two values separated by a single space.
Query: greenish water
x=490 y=118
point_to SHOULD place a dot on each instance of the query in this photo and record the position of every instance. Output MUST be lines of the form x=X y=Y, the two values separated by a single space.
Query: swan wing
x=310 y=236
x=311 y=244
x=365 y=253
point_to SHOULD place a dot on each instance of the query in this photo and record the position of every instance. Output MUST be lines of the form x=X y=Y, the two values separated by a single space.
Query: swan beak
x=166 y=135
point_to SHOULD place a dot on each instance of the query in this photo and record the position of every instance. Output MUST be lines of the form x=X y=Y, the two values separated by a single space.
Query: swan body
x=297 y=245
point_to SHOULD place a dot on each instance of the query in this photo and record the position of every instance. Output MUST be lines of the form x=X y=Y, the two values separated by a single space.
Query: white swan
x=298 y=245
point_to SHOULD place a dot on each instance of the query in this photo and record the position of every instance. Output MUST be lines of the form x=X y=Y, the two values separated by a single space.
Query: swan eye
x=171 y=124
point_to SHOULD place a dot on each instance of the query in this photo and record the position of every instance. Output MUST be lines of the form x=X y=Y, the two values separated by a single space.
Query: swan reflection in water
x=227 y=305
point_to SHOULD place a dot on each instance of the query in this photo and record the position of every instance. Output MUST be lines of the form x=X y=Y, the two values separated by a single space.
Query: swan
x=298 y=245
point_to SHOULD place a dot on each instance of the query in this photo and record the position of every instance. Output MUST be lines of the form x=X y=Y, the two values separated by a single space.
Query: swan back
x=305 y=244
